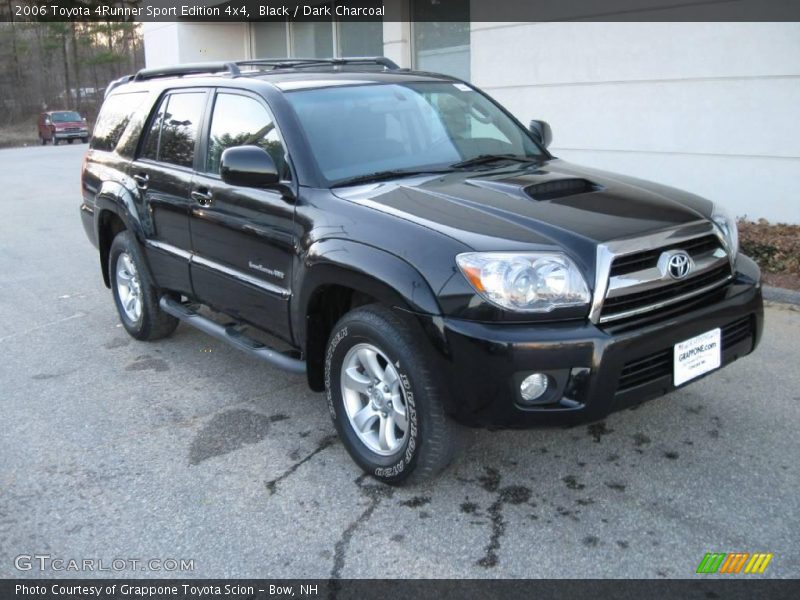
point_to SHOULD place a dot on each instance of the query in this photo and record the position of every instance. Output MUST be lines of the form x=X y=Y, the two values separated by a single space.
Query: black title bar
x=401 y=10
x=380 y=589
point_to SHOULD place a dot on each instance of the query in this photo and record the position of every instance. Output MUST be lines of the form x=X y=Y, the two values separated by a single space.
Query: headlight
x=727 y=225
x=529 y=281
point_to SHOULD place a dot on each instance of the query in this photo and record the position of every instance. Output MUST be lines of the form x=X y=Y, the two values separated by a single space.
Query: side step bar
x=232 y=336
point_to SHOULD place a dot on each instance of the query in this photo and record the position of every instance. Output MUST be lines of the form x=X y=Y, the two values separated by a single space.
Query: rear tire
x=85 y=140
x=42 y=141
x=55 y=141
x=384 y=400
x=135 y=295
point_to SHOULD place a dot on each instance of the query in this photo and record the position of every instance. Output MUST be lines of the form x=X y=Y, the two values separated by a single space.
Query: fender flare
x=364 y=268
x=114 y=198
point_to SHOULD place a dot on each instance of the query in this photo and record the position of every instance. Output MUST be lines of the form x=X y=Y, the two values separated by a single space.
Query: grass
x=14 y=136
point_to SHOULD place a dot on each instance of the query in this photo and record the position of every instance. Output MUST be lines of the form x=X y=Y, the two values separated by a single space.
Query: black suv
x=406 y=243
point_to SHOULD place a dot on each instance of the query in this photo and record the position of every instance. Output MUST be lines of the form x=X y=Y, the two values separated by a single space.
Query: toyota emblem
x=676 y=263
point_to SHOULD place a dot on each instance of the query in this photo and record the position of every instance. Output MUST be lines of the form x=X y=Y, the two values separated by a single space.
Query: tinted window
x=442 y=36
x=150 y=146
x=173 y=129
x=179 y=128
x=114 y=118
x=242 y=121
x=313 y=39
x=356 y=130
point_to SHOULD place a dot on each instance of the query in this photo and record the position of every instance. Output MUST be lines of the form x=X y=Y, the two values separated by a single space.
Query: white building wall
x=713 y=108
x=160 y=44
x=213 y=41
x=175 y=43
x=397 y=42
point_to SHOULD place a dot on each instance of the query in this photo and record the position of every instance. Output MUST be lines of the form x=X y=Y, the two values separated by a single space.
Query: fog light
x=533 y=386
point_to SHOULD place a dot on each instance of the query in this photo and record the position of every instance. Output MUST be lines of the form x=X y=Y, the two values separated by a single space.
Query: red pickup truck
x=57 y=125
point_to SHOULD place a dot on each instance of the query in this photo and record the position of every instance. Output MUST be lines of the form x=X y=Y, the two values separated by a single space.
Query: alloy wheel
x=129 y=289
x=374 y=399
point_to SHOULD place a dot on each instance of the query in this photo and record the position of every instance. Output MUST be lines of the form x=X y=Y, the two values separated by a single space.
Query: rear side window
x=114 y=117
x=150 y=146
x=173 y=130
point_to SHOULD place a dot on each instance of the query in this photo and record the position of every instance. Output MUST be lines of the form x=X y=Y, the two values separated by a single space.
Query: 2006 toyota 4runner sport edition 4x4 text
x=406 y=243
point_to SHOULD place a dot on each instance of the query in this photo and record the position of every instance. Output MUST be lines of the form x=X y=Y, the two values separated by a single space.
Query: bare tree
x=61 y=65
x=76 y=64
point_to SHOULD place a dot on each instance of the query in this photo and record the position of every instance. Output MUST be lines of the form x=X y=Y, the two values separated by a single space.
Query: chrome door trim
x=244 y=277
x=170 y=248
x=193 y=258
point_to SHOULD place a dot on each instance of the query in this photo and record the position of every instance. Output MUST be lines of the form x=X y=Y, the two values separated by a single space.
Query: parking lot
x=187 y=449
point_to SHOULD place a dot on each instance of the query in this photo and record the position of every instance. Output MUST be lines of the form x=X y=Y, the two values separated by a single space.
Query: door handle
x=202 y=197
x=141 y=179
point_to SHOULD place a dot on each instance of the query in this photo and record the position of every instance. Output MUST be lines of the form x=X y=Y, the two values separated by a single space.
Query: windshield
x=355 y=131
x=65 y=117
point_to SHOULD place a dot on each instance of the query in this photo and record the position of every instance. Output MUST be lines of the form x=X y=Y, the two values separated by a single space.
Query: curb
x=776 y=294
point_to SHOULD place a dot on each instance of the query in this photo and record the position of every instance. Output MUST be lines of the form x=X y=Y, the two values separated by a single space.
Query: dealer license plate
x=697 y=355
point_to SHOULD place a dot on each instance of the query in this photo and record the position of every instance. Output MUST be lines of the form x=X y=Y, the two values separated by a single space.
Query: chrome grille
x=645 y=260
x=632 y=281
x=618 y=306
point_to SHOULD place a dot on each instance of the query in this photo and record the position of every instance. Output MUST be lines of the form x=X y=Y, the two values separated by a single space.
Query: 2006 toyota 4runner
x=408 y=245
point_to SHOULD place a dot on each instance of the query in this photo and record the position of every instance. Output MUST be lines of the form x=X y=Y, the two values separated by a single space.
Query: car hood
x=64 y=124
x=550 y=203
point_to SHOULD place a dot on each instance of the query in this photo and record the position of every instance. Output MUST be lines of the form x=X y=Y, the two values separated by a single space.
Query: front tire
x=386 y=405
x=70 y=140
x=135 y=295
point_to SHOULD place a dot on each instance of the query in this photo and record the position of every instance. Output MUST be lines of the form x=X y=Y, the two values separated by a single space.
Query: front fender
x=361 y=267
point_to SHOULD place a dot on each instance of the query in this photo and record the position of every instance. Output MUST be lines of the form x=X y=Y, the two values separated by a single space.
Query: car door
x=243 y=239
x=163 y=172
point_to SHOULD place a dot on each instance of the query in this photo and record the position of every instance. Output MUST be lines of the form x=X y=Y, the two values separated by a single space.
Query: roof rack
x=232 y=68
x=187 y=69
x=116 y=83
x=300 y=63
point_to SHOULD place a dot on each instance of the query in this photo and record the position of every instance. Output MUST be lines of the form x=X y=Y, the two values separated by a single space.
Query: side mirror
x=47 y=122
x=248 y=166
x=542 y=132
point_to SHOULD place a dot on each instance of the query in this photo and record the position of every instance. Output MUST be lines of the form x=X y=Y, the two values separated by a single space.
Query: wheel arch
x=339 y=275
x=113 y=213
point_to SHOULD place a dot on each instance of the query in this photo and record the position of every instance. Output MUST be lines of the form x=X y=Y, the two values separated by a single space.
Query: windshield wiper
x=490 y=158
x=389 y=174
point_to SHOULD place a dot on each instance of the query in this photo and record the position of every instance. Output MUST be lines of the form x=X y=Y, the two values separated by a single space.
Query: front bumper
x=598 y=370
x=71 y=135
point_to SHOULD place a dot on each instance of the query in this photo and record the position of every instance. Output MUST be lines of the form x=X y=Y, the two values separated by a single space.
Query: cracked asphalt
x=187 y=449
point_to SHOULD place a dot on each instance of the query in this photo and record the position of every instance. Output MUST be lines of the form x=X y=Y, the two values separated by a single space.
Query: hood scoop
x=560 y=188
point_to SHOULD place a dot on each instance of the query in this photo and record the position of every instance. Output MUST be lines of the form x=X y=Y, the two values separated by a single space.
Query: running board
x=232 y=336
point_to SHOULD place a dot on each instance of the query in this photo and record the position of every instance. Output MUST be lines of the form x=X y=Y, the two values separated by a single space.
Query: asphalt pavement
x=186 y=449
